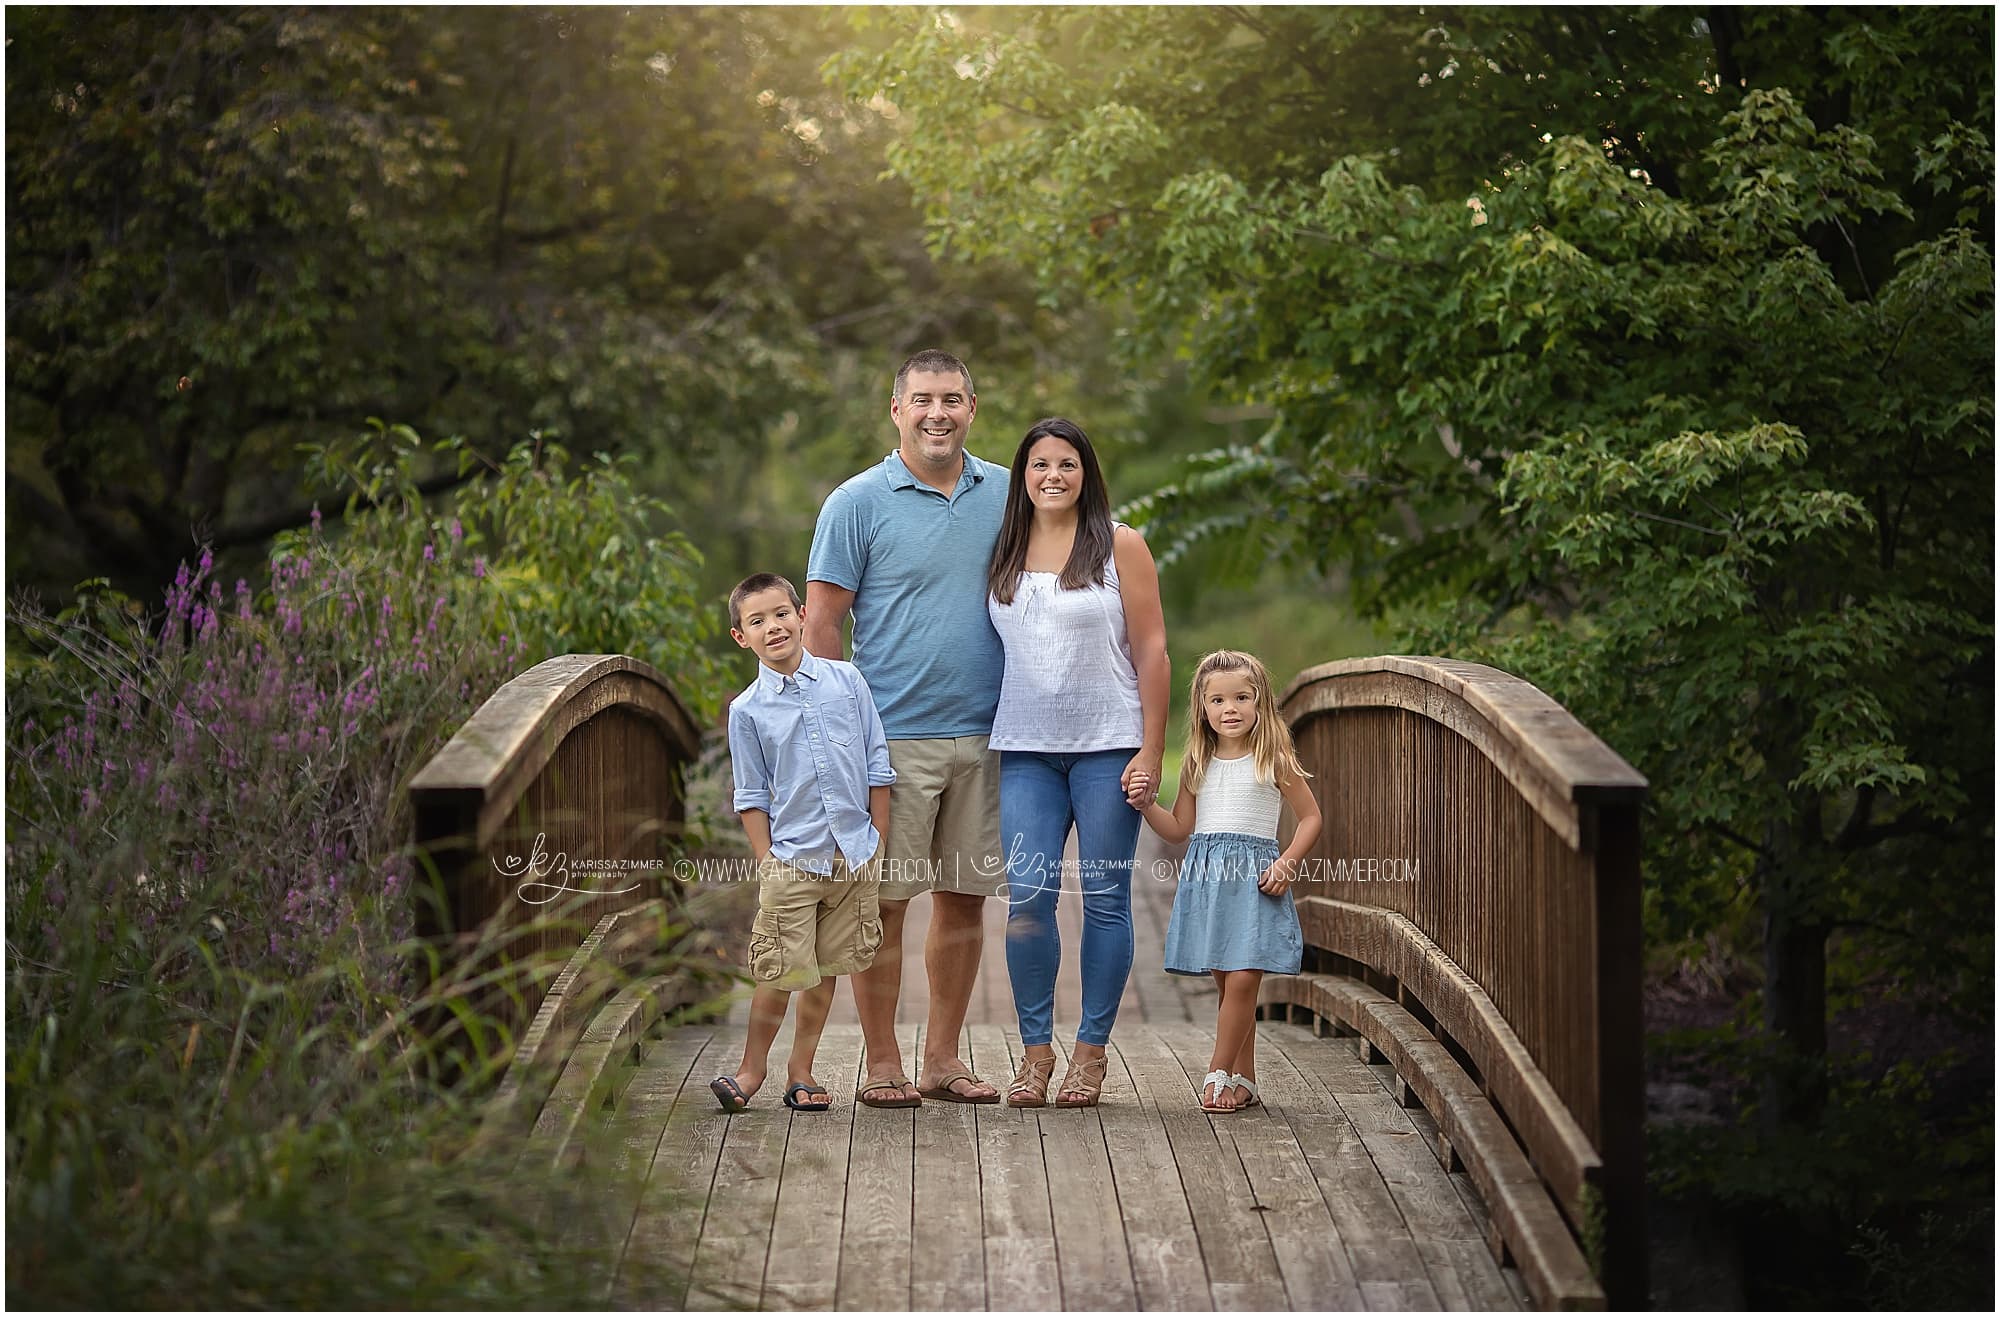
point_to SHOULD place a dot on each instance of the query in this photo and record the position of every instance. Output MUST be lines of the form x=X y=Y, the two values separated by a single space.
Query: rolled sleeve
x=838 y=547
x=876 y=741
x=747 y=765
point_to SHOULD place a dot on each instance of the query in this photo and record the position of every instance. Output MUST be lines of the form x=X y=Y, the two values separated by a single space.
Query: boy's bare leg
x=876 y=990
x=767 y=1015
x=951 y=960
x=814 y=1003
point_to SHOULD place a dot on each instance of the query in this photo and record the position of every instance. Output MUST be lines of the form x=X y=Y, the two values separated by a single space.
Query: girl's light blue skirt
x=1221 y=920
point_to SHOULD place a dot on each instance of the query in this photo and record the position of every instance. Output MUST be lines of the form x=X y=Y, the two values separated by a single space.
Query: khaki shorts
x=944 y=820
x=811 y=927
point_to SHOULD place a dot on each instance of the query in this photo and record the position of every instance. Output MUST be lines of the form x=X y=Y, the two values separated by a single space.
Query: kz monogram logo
x=545 y=877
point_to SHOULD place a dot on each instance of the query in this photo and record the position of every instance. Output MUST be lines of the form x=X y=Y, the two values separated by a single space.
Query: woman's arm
x=1284 y=870
x=1146 y=631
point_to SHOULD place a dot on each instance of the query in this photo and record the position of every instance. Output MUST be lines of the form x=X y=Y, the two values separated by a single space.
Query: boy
x=812 y=774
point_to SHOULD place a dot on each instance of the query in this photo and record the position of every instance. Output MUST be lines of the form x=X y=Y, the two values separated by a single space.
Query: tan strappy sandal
x=1031 y=1082
x=1083 y=1082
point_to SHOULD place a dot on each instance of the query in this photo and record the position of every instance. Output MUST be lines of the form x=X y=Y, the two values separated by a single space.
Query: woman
x=1080 y=730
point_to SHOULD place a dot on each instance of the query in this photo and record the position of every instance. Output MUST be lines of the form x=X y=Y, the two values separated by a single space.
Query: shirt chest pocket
x=841 y=716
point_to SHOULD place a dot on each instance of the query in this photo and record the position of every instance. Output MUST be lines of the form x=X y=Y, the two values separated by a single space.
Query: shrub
x=215 y=1093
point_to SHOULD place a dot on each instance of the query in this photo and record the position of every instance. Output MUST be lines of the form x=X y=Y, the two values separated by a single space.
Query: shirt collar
x=901 y=477
x=809 y=668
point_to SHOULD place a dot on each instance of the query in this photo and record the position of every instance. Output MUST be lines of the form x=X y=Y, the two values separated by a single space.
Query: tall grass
x=216 y=1092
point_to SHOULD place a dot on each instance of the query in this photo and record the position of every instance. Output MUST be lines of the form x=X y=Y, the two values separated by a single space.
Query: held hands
x=1141 y=779
x=1279 y=877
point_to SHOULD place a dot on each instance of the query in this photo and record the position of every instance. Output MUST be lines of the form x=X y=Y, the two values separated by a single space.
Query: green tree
x=654 y=232
x=1645 y=354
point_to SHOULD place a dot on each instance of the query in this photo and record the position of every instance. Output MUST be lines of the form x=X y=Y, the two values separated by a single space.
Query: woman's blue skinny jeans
x=1040 y=795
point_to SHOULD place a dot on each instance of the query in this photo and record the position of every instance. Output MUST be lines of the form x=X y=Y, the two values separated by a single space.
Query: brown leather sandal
x=1083 y=1082
x=1031 y=1082
x=894 y=1086
x=941 y=1087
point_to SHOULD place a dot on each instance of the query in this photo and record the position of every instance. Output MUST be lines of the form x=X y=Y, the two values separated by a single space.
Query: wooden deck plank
x=1235 y=1248
x=949 y=1274
x=638 y=1132
x=1120 y=1235
x=1408 y=1167
x=1018 y=1233
x=667 y=1228
x=875 y=1241
x=743 y=1202
x=1387 y=1265
x=1391 y=1229
x=805 y=1253
x=1439 y=1208
x=1312 y=1258
x=1488 y=1286
x=1165 y=1252
x=1091 y=1253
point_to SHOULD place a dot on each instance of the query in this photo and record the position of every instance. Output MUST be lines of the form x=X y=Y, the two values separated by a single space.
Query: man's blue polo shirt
x=916 y=562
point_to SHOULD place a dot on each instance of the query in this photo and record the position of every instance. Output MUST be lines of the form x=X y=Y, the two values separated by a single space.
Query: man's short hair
x=756 y=583
x=932 y=361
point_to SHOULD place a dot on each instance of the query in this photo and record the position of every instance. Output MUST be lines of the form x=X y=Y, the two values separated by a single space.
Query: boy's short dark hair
x=931 y=361
x=752 y=584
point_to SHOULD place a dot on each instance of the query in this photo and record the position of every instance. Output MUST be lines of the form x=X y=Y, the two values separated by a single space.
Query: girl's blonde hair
x=1270 y=740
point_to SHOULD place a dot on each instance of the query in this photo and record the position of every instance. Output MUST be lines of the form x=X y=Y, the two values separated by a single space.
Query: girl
x=1081 y=728
x=1241 y=762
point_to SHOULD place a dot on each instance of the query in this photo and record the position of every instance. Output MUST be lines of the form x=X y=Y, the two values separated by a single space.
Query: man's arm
x=827 y=606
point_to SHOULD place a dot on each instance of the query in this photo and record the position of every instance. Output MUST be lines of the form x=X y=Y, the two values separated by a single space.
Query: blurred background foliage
x=1645 y=352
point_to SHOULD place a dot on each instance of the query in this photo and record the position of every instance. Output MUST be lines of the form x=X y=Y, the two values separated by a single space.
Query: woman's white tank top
x=1069 y=685
x=1233 y=800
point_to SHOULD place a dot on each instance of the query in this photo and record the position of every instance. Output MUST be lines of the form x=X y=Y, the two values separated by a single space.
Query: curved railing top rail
x=501 y=749
x=1559 y=766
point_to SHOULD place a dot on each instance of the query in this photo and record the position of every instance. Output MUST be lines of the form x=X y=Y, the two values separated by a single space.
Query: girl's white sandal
x=1218 y=1080
x=1256 y=1098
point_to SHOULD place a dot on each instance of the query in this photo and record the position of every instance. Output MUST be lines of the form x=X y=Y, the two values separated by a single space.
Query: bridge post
x=1621 y=1054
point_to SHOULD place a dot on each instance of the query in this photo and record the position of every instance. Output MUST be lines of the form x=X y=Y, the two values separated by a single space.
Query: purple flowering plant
x=208 y=876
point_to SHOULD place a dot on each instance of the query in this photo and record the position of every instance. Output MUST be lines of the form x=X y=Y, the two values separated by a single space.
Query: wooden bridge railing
x=557 y=804
x=1474 y=916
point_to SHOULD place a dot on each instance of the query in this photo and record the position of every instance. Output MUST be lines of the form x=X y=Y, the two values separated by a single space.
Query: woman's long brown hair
x=1092 y=547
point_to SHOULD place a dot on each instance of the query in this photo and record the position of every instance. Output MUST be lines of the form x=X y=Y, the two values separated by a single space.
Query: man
x=904 y=546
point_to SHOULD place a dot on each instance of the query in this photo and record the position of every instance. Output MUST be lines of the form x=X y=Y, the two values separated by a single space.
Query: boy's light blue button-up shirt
x=805 y=749
x=916 y=561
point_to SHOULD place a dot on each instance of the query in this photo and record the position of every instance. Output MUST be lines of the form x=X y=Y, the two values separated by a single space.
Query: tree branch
x=1909 y=824
x=1867 y=292
x=1730 y=834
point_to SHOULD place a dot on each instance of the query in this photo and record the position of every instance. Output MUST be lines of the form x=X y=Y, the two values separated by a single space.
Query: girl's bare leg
x=1246 y=1056
x=1235 y=1020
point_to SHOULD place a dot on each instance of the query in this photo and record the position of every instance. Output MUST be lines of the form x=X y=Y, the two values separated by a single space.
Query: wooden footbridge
x=1452 y=1090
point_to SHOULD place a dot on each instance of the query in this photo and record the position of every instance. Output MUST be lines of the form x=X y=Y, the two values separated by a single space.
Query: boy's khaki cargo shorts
x=811 y=926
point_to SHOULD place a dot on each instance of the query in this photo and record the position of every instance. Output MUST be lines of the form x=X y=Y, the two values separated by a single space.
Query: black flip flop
x=729 y=1093
x=809 y=1090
